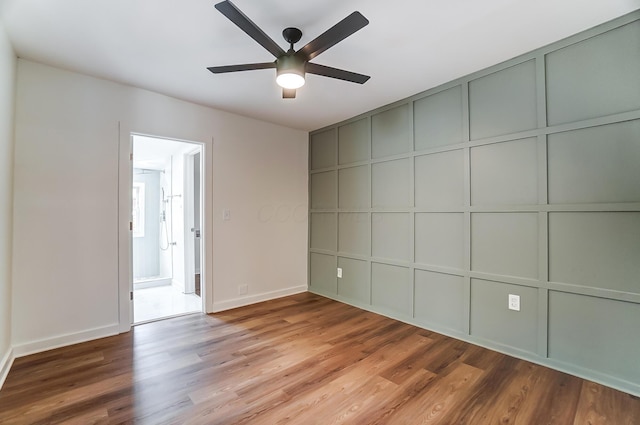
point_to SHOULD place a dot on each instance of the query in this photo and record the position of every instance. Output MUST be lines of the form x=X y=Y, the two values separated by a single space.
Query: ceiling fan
x=292 y=65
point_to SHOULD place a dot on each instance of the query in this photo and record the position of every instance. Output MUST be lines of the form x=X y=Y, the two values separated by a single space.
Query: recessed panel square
x=595 y=333
x=439 y=180
x=391 y=288
x=391 y=234
x=391 y=132
x=438 y=119
x=505 y=173
x=597 y=249
x=505 y=244
x=391 y=183
x=354 y=142
x=492 y=319
x=355 y=282
x=503 y=102
x=439 y=239
x=324 y=231
x=595 y=77
x=323 y=190
x=354 y=187
x=439 y=299
x=354 y=233
x=595 y=164
x=323 y=273
x=323 y=149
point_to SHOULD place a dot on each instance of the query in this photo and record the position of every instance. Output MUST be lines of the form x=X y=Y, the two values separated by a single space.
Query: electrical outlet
x=339 y=272
x=514 y=302
x=243 y=289
x=226 y=215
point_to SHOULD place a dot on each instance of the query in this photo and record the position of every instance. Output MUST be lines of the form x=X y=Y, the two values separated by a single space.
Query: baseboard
x=252 y=299
x=151 y=283
x=5 y=365
x=33 y=347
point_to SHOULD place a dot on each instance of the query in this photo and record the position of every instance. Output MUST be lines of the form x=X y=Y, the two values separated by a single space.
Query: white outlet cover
x=339 y=272
x=226 y=214
x=514 y=302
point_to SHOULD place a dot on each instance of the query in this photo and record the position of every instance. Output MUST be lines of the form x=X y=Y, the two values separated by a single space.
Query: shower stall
x=152 y=227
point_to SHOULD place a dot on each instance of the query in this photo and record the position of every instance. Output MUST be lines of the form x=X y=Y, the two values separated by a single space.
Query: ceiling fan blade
x=340 y=74
x=288 y=93
x=243 y=67
x=234 y=14
x=333 y=35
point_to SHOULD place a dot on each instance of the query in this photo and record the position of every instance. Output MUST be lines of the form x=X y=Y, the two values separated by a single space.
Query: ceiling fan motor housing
x=290 y=63
x=292 y=35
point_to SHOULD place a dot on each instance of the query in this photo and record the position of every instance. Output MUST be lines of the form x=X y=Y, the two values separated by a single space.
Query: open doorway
x=166 y=222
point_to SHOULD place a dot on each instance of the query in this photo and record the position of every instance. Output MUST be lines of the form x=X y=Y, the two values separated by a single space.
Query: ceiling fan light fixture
x=290 y=80
x=289 y=72
x=292 y=65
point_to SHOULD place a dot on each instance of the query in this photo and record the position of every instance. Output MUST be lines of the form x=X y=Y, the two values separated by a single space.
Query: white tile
x=162 y=301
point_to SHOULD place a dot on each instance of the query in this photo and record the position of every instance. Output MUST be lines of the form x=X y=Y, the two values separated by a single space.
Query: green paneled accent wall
x=521 y=179
x=492 y=322
x=439 y=300
x=438 y=119
x=354 y=283
x=503 y=102
x=595 y=333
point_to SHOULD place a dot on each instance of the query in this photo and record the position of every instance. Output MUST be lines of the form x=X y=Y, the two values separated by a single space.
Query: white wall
x=72 y=141
x=259 y=179
x=7 y=97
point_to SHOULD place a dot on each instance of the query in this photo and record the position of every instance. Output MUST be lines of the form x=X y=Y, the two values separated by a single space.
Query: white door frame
x=125 y=263
x=189 y=225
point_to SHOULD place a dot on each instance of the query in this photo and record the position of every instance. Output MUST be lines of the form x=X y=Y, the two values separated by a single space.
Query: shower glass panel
x=151 y=227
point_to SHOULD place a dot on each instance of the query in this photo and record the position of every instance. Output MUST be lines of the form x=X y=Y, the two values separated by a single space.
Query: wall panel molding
x=512 y=180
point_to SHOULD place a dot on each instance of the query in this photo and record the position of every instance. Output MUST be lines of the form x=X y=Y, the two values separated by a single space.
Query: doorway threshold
x=157 y=319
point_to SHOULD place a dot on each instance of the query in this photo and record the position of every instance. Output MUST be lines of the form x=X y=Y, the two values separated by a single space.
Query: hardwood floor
x=302 y=359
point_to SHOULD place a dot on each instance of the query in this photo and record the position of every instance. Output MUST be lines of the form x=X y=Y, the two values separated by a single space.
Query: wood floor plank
x=340 y=401
x=302 y=359
x=438 y=398
x=600 y=405
x=515 y=404
x=382 y=410
x=555 y=398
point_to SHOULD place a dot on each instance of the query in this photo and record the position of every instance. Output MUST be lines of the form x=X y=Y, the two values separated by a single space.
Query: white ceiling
x=152 y=153
x=409 y=46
